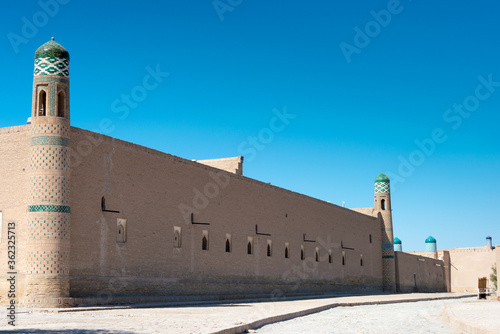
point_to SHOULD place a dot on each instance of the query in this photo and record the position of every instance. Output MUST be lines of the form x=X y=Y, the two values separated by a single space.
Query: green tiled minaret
x=383 y=207
x=48 y=243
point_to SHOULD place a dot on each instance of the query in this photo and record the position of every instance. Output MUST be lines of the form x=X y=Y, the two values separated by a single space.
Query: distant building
x=464 y=265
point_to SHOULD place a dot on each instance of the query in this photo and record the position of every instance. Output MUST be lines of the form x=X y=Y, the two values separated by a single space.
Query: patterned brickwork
x=49 y=226
x=382 y=187
x=49 y=189
x=49 y=140
x=389 y=280
x=388 y=265
x=51 y=66
x=54 y=262
x=387 y=245
x=51 y=79
x=49 y=208
x=50 y=158
x=52 y=129
x=430 y=247
x=52 y=98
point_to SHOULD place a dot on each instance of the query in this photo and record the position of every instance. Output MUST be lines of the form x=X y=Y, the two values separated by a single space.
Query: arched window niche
x=61 y=104
x=228 y=243
x=204 y=240
x=42 y=103
x=250 y=246
x=269 y=251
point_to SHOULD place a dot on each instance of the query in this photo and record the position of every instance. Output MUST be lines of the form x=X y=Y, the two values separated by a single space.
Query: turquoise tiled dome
x=398 y=245
x=52 y=49
x=430 y=240
x=382 y=178
x=52 y=59
x=382 y=184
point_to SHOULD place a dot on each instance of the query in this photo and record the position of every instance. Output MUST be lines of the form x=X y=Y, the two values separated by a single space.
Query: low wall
x=469 y=264
x=416 y=273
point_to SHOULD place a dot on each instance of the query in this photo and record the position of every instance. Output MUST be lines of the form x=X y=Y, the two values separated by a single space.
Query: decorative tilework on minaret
x=48 y=243
x=398 y=245
x=431 y=247
x=383 y=207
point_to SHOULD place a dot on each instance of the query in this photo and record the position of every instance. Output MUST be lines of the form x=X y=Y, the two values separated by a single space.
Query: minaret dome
x=51 y=81
x=52 y=59
x=382 y=184
x=398 y=245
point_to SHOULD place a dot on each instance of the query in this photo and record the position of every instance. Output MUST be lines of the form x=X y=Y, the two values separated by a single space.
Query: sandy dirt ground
x=398 y=317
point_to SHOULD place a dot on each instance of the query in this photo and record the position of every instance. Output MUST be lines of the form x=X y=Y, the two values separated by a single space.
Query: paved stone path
x=415 y=318
x=226 y=318
x=475 y=316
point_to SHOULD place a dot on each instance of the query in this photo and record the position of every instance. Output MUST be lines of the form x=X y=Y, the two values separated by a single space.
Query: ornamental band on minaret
x=48 y=242
x=383 y=207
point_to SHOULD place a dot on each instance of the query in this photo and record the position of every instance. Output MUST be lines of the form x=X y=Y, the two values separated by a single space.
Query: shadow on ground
x=70 y=331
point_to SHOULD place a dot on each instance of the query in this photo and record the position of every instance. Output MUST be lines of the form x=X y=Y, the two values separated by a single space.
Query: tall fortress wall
x=142 y=224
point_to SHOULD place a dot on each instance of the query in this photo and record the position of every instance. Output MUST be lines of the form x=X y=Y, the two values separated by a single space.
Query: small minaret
x=383 y=209
x=431 y=247
x=48 y=240
x=489 y=242
x=398 y=245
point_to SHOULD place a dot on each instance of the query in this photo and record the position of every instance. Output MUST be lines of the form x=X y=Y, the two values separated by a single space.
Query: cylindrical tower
x=431 y=247
x=48 y=243
x=489 y=242
x=398 y=245
x=383 y=207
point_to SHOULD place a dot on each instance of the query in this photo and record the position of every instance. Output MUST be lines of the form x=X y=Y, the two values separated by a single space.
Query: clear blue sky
x=364 y=81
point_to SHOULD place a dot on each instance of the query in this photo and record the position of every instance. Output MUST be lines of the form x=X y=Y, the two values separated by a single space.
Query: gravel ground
x=419 y=317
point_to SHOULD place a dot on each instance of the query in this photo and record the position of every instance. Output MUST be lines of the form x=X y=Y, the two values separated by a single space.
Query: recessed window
x=287 y=250
x=60 y=104
x=42 y=103
x=361 y=261
x=382 y=204
x=316 y=254
x=330 y=257
x=343 y=258
x=269 y=248
x=228 y=243
x=204 y=240
x=370 y=238
x=302 y=253
x=177 y=237
x=121 y=230
x=250 y=246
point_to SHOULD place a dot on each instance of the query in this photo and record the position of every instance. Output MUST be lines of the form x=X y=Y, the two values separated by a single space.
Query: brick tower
x=48 y=239
x=383 y=208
